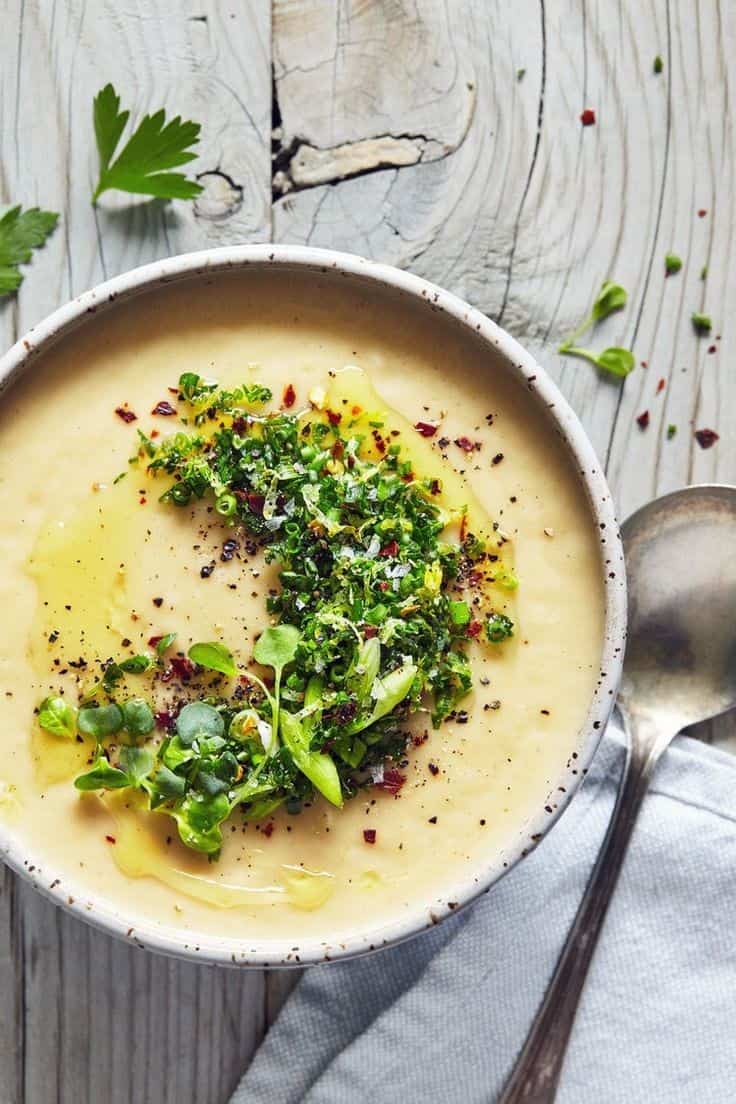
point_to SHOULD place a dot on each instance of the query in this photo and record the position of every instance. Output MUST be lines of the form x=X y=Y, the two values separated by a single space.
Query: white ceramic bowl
x=503 y=350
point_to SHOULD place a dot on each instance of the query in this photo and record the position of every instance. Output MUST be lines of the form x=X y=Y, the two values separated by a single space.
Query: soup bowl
x=435 y=310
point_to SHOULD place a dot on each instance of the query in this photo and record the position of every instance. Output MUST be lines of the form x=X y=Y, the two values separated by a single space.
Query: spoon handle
x=537 y=1071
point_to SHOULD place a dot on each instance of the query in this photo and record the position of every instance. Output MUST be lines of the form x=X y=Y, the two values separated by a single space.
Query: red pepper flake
x=267 y=829
x=111 y=839
x=289 y=395
x=256 y=502
x=712 y=349
x=154 y=433
x=643 y=419
x=126 y=415
x=180 y=666
x=433 y=769
x=164 y=408
x=369 y=631
x=390 y=549
x=464 y=443
x=141 y=501
x=240 y=425
x=587 y=117
x=369 y=835
x=384 y=584
x=380 y=444
x=338 y=450
x=644 y=363
x=355 y=410
x=435 y=487
x=426 y=429
x=706 y=438
x=661 y=385
x=474 y=628
x=392 y=781
x=334 y=417
x=154 y=640
x=702 y=212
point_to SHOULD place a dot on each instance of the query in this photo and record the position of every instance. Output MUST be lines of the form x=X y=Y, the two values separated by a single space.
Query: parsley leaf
x=20 y=233
x=155 y=146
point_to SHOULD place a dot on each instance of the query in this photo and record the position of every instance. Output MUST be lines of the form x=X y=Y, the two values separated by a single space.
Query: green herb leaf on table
x=610 y=298
x=702 y=324
x=56 y=716
x=20 y=233
x=215 y=657
x=672 y=264
x=617 y=362
x=154 y=147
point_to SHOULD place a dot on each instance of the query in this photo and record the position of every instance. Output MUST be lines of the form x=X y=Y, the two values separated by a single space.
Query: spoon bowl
x=679 y=669
x=681 y=652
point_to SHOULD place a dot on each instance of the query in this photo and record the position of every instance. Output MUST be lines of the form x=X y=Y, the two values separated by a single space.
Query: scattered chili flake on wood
x=426 y=429
x=111 y=839
x=702 y=212
x=126 y=415
x=289 y=395
x=587 y=117
x=164 y=408
x=369 y=835
x=392 y=781
x=706 y=438
x=643 y=419
x=712 y=349
x=661 y=385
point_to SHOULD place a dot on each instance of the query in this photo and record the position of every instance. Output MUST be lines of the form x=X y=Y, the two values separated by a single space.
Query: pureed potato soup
x=303 y=608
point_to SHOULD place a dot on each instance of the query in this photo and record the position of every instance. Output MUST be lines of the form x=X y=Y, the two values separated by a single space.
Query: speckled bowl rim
x=145 y=933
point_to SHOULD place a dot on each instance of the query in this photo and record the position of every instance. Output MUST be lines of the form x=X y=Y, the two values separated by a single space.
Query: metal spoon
x=680 y=668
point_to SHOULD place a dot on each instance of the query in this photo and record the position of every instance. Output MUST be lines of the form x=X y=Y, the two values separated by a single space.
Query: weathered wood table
x=439 y=135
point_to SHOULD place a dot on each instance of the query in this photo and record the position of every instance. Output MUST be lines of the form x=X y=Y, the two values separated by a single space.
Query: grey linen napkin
x=442 y=1016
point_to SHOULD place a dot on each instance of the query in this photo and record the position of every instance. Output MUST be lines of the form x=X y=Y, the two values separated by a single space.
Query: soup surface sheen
x=84 y=558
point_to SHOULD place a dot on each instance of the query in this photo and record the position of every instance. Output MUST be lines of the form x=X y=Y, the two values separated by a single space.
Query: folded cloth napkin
x=441 y=1017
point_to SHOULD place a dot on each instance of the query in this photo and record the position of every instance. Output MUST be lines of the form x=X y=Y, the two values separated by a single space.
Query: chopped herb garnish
x=702 y=323
x=704 y=272
x=671 y=431
x=20 y=233
x=672 y=264
x=658 y=65
x=520 y=73
x=376 y=611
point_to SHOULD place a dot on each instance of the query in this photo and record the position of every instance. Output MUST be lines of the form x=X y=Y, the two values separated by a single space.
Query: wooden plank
x=86 y=1017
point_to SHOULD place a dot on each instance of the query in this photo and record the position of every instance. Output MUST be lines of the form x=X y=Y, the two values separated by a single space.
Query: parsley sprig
x=154 y=147
x=614 y=360
x=20 y=233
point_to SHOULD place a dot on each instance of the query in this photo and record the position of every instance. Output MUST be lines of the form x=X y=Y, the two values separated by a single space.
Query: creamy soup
x=93 y=568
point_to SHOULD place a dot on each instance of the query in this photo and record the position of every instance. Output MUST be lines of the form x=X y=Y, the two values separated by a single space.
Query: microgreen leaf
x=100 y=720
x=276 y=646
x=20 y=233
x=672 y=263
x=135 y=665
x=155 y=146
x=615 y=361
x=198 y=819
x=215 y=657
x=138 y=718
x=165 y=643
x=164 y=785
x=55 y=715
x=101 y=776
x=198 y=719
x=610 y=298
x=137 y=762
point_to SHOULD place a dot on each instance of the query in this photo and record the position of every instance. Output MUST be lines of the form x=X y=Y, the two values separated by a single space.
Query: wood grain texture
x=402 y=131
